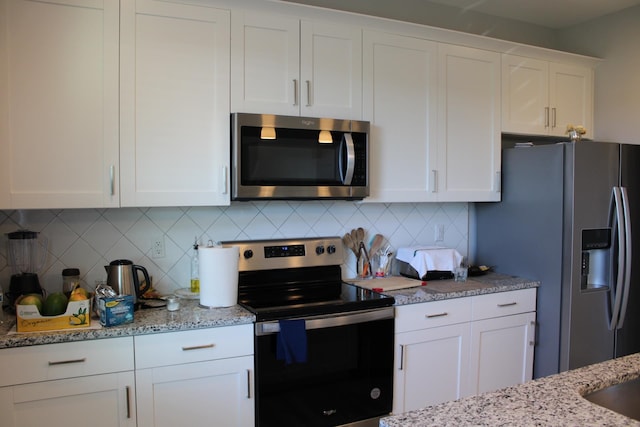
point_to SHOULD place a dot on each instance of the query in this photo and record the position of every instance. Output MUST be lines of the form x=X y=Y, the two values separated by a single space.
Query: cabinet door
x=501 y=352
x=399 y=99
x=330 y=71
x=431 y=366
x=205 y=393
x=468 y=125
x=99 y=400
x=571 y=98
x=58 y=104
x=265 y=64
x=525 y=95
x=175 y=104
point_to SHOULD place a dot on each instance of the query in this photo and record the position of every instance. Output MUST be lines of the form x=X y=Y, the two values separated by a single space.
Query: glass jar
x=70 y=279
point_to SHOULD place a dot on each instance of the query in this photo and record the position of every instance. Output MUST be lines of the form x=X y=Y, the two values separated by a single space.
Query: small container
x=70 y=279
x=173 y=303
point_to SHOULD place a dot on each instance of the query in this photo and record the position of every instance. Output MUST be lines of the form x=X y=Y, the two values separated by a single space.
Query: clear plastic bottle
x=195 y=275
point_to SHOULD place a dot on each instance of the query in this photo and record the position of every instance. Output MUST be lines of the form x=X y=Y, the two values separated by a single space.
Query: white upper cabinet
x=281 y=65
x=542 y=98
x=468 y=125
x=435 y=120
x=400 y=100
x=58 y=104
x=174 y=127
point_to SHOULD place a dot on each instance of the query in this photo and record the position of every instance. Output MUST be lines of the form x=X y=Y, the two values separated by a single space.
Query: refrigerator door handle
x=616 y=219
x=627 y=260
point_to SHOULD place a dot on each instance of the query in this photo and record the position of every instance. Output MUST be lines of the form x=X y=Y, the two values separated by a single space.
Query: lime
x=55 y=304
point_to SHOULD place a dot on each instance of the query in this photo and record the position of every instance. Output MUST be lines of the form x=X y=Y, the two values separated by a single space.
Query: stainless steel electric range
x=323 y=347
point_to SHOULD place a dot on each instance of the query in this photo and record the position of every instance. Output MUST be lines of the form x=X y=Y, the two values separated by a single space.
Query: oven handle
x=319 y=322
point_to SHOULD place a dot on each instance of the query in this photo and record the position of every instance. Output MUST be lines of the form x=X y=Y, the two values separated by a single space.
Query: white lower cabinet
x=88 y=382
x=201 y=377
x=449 y=349
x=432 y=366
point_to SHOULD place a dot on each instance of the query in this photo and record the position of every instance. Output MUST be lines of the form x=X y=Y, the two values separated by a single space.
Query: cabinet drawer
x=432 y=314
x=65 y=360
x=504 y=303
x=174 y=348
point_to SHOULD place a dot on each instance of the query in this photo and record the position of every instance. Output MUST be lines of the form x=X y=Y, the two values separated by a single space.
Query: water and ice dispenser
x=596 y=259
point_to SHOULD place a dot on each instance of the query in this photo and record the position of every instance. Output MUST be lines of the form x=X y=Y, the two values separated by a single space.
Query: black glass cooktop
x=349 y=298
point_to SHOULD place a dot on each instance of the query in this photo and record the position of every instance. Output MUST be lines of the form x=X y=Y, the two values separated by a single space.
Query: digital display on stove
x=283 y=251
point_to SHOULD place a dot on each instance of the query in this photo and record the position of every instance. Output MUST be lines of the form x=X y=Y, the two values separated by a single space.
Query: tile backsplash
x=90 y=238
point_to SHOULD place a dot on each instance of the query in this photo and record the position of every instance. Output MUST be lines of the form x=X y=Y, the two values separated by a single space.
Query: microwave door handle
x=616 y=221
x=346 y=170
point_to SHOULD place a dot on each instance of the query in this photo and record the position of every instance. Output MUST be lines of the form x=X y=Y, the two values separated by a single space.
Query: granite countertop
x=551 y=401
x=191 y=316
x=147 y=321
x=478 y=285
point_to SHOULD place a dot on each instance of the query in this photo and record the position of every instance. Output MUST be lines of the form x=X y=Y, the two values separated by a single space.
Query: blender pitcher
x=26 y=253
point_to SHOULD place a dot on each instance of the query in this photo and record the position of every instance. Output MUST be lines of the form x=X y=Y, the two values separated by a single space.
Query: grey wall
x=421 y=12
x=614 y=38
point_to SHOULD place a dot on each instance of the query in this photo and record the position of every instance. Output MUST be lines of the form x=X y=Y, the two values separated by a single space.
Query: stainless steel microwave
x=288 y=157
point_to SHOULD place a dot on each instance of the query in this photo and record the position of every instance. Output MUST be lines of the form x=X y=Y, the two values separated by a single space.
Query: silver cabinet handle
x=225 y=180
x=507 y=304
x=198 y=347
x=128 y=393
x=308 y=93
x=434 y=186
x=553 y=115
x=68 y=362
x=401 y=358
x=112 y=180
x=248 y=384
x=431 y=316
x=295 y=92
x=546 y=117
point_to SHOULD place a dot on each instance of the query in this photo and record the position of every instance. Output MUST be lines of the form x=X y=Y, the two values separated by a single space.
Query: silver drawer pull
x=198 y=347
x=67 y=362
x=507 y=304
x=430 y=316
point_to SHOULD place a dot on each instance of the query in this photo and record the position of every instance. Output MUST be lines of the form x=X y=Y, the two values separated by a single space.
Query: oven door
x=348 y=376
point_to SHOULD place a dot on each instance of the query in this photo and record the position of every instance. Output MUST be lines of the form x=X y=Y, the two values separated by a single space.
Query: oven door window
x=348 y=377
x=294 y=158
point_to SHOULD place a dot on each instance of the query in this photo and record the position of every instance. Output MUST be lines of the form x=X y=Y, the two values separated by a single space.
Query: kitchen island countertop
x=551 y=401
x=147 y=321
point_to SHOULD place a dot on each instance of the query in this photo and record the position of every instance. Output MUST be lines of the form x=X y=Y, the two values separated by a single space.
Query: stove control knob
x=331 y=249
x=319 y=250
x=248 y=254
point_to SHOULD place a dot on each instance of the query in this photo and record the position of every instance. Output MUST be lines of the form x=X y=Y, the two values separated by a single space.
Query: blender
x=26 y=253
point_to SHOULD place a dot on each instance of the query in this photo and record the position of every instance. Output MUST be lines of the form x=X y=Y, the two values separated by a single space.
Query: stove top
x=282 y=279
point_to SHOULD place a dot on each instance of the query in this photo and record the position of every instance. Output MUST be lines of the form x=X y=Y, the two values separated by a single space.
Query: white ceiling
x=555 y=14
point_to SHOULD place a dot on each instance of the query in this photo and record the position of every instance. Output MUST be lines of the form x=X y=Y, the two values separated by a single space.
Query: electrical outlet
x=157 y=248
x=439 y=233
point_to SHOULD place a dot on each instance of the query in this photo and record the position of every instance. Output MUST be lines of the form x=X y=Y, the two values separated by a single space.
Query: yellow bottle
x=195 y=274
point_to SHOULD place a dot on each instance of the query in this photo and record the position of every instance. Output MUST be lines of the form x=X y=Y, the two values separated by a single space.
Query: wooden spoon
x=376 y=244
x=360 y=234
x=349 y=243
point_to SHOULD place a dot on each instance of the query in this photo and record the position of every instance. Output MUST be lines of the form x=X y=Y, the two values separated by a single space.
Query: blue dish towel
x=292 y=341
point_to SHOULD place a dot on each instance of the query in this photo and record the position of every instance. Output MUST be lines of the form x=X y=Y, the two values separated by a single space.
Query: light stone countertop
x=191 y=316
x=479 y=285
x=551 y=401
x=146 y=321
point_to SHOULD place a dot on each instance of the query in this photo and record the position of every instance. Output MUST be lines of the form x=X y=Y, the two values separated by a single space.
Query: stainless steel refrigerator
x=570 y=218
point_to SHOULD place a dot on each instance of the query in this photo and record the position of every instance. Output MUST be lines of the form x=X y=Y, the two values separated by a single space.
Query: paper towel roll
x=218 y=269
